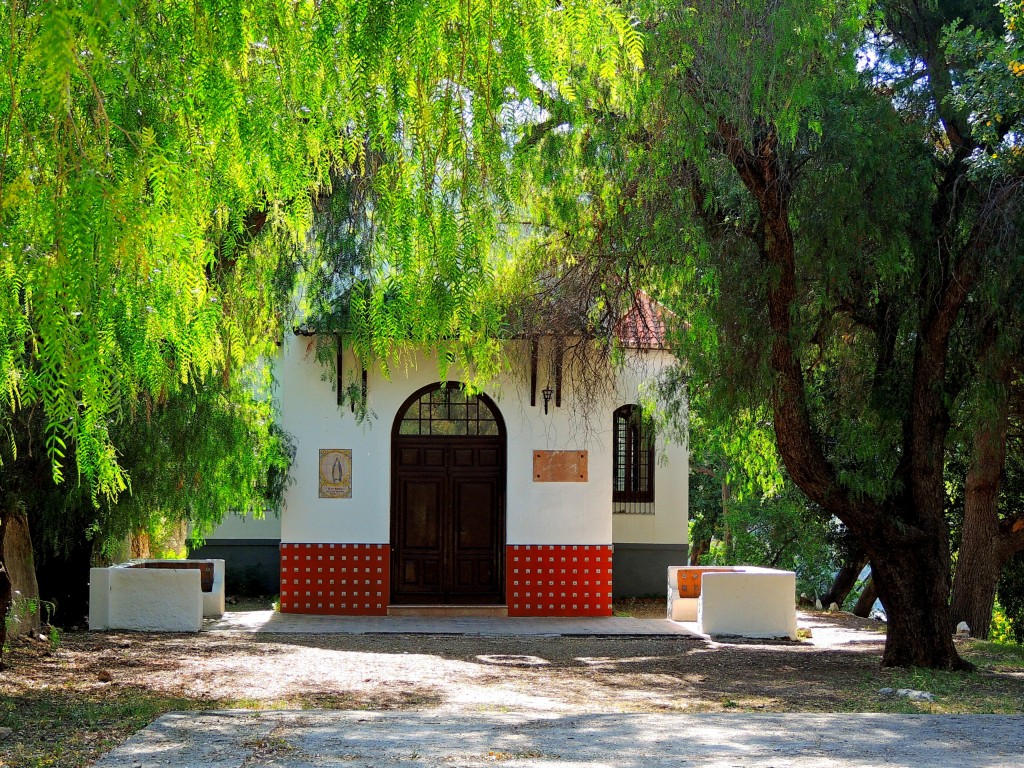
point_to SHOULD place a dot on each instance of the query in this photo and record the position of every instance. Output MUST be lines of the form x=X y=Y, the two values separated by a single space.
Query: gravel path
x=379 y=739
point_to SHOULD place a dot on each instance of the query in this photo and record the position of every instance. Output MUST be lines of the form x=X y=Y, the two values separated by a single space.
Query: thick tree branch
x=798 y=445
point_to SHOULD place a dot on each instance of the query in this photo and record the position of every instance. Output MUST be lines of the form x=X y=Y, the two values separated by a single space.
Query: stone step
x=448 y=611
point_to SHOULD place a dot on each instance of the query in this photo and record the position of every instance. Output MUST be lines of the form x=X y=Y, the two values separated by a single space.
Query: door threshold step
x=448 y=611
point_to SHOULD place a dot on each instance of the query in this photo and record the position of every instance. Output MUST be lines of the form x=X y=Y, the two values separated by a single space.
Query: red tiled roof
x=644 y=325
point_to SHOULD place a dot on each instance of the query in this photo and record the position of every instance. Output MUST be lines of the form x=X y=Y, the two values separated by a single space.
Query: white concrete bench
x=734 y=600
x=156 y=595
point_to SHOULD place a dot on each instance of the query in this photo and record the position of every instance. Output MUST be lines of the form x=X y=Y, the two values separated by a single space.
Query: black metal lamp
x=547 y=392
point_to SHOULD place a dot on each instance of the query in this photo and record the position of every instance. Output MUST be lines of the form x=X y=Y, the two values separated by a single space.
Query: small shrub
x=1002 y=629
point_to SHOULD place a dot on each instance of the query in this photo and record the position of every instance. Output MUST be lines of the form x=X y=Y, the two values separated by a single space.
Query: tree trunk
x=912 y=580
x=983 y=553
x=19 y=573
x=726 y=533
x=845 y=580
x=867 y=598
x=5 y=588
x=698 y=549
x=974 y=588
x=906 y=537
x=985 y=547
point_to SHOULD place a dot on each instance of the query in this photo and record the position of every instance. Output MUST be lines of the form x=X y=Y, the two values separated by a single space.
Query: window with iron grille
x=633 y=457
x=445 y=410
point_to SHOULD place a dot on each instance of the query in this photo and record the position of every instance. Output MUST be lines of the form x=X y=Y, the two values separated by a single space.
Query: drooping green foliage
x=162 y=160
x=202 y=454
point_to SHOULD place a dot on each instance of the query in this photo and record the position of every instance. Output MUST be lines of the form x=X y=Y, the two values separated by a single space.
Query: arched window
x=445 y=410
x=633 y=456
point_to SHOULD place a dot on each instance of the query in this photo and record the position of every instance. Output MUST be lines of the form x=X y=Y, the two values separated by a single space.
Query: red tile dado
x=558 y=580
x=342 y=579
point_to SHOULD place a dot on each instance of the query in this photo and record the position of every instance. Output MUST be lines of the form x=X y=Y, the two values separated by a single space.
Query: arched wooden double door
x=447 y=499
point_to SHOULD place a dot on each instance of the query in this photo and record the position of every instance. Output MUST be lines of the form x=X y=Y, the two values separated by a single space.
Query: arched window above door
x=445 y=410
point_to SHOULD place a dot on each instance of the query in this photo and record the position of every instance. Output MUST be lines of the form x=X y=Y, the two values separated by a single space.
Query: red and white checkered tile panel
x=559 y=580
x=344 y=579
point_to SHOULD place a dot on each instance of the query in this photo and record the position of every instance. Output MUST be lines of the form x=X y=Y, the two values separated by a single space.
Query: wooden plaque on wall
x=559 y=466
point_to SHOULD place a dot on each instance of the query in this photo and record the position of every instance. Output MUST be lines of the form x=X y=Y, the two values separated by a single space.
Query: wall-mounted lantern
x=547 y=393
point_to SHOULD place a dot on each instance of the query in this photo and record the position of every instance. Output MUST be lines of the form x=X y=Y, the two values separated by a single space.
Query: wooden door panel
x=474 y=514
x=487 y=575
x=421 y=574
x=477 y=545
x=476 y=576
x=463 y=457
x=465 y=574
x=420 y=531
x=422 y=502
x=448 y=519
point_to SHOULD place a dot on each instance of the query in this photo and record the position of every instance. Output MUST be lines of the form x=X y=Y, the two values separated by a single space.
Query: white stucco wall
x=537 y=513
x=235 y=526
x=669 y=524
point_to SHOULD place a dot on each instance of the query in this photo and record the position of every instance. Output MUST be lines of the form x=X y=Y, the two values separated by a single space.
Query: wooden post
x=558 y=373
x=533 y=372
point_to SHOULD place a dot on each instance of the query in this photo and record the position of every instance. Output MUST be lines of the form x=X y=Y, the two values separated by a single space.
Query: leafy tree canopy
x=829 y=194
x=161 y=162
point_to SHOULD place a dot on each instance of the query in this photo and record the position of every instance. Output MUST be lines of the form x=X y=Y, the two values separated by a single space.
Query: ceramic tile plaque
x=559 y=466
x=335 y=473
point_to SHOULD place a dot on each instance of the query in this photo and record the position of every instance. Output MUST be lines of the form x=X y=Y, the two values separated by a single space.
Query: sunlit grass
x=54 y=727
x=1004 y=657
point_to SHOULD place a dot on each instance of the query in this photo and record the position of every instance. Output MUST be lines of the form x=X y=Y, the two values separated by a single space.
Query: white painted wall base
x=152 y=599
x=683 y=608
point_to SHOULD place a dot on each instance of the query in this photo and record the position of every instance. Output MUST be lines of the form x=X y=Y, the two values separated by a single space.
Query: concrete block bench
x=734 y=600
x=156 y=595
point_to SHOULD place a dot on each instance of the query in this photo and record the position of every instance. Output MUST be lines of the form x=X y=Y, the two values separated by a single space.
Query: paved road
x=319 y=739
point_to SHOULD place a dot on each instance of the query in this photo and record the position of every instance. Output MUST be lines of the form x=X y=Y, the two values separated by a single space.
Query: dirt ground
x=836 y=670
x=837 y=667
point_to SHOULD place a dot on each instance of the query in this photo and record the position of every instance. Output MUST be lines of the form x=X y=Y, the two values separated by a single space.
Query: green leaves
x=991 y=90
x=756 y=63
x=160 y=163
